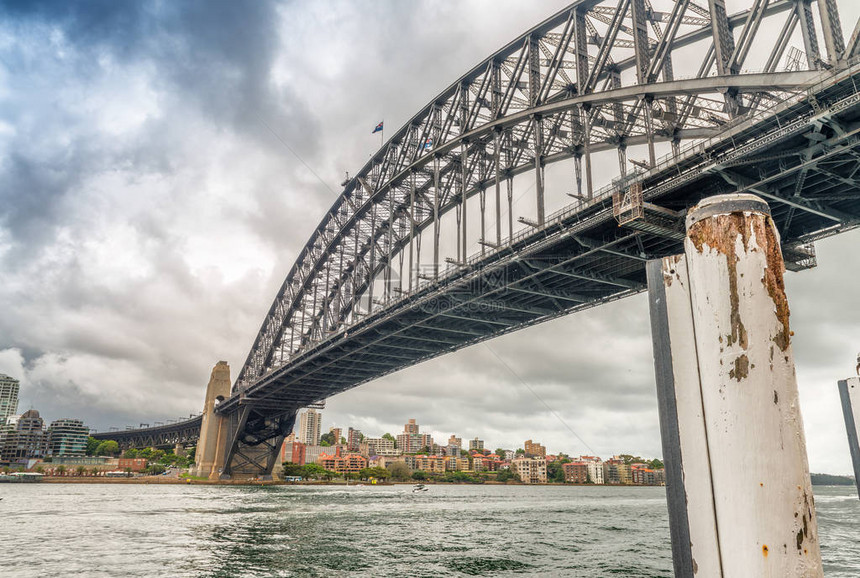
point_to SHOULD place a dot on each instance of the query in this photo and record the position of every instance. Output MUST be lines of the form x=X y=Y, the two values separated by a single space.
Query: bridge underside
x=804 y=159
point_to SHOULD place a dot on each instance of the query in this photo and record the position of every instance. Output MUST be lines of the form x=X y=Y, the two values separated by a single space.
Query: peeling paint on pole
x=763 y=499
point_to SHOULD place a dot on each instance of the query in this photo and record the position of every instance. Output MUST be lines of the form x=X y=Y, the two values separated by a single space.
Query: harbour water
x=218 y=531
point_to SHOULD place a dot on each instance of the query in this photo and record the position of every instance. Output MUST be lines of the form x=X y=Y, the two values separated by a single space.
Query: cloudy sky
x=152 y=200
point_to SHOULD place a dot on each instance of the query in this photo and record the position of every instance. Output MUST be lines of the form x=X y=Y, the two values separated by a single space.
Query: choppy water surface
x=204 y=531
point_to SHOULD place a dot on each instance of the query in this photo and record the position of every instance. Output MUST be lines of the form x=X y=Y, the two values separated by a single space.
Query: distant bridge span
x=421 y=255
x=183 y=432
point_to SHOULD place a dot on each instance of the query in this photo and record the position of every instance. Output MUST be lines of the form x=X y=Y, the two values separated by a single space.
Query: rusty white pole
x=689 y=494
x=849 y=392
x=765 y=517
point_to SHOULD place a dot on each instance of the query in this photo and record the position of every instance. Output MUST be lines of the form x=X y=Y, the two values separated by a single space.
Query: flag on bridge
x=377 y=129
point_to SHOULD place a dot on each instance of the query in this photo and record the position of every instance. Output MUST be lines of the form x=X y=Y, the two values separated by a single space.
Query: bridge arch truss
x=597 y=77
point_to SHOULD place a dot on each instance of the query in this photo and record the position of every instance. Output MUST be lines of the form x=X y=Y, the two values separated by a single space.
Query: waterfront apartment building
x=617 y=472
x=309 y=427
x=336 y=433
x=534 y=449
x=348 y=464
x=67 y=437
x=576 y=473
x=476 y=444
x=645 y=476
x=595 y=472
x=455 y=464
x=430 y=464
x=530 y=470
x=9 y=387
x=24 y=439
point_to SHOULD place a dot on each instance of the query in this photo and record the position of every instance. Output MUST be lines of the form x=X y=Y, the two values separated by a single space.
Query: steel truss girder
x=363 y=232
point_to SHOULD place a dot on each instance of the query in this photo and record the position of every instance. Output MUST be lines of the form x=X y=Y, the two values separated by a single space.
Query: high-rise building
x=534 y=449
x=455 y=441
x=476 y=444
x=67 y=437
x=25 y=440
x=353 y=440
x=411 y=427
x=309 y=427
x=335 y=432
x=8 y=398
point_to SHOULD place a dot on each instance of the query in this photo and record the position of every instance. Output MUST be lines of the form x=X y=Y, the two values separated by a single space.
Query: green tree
x=92 y=444
x=500 y=452
x=107 y=448
x=327 y=439
x=316 y=471
x=289 y=469
x=154 y=469
x=554 y=472
x=656 y=464
x=400 y=471
x=61 y=470
x=507 y=476
x=419 y=475
x=375 y=472
x=80 y=470
x=130 y=454
x=388 y=436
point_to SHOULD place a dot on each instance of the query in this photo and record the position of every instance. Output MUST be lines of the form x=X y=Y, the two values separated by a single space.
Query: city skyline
x=167 y=226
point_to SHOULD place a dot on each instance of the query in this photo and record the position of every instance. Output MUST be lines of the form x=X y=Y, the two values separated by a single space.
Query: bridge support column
x=738 y=486
x=849 y=392
x=209 y=457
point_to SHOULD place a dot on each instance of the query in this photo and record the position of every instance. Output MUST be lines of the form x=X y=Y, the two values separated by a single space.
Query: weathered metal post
x=740 y=496
x=849 y=392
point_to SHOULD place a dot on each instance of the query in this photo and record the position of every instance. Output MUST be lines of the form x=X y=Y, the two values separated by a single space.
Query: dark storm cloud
x=212 y=57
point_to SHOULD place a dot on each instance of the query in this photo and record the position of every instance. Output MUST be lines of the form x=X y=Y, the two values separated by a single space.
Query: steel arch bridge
x=390 y=278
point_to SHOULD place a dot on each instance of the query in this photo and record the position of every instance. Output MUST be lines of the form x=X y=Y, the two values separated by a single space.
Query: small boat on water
x=419 y=488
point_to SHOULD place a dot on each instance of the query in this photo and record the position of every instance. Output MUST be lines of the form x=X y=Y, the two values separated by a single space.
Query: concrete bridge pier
x=738 y=485
x=209 y=457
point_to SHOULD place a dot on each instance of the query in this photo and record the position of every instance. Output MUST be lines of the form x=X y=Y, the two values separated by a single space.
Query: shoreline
x=158 y=480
